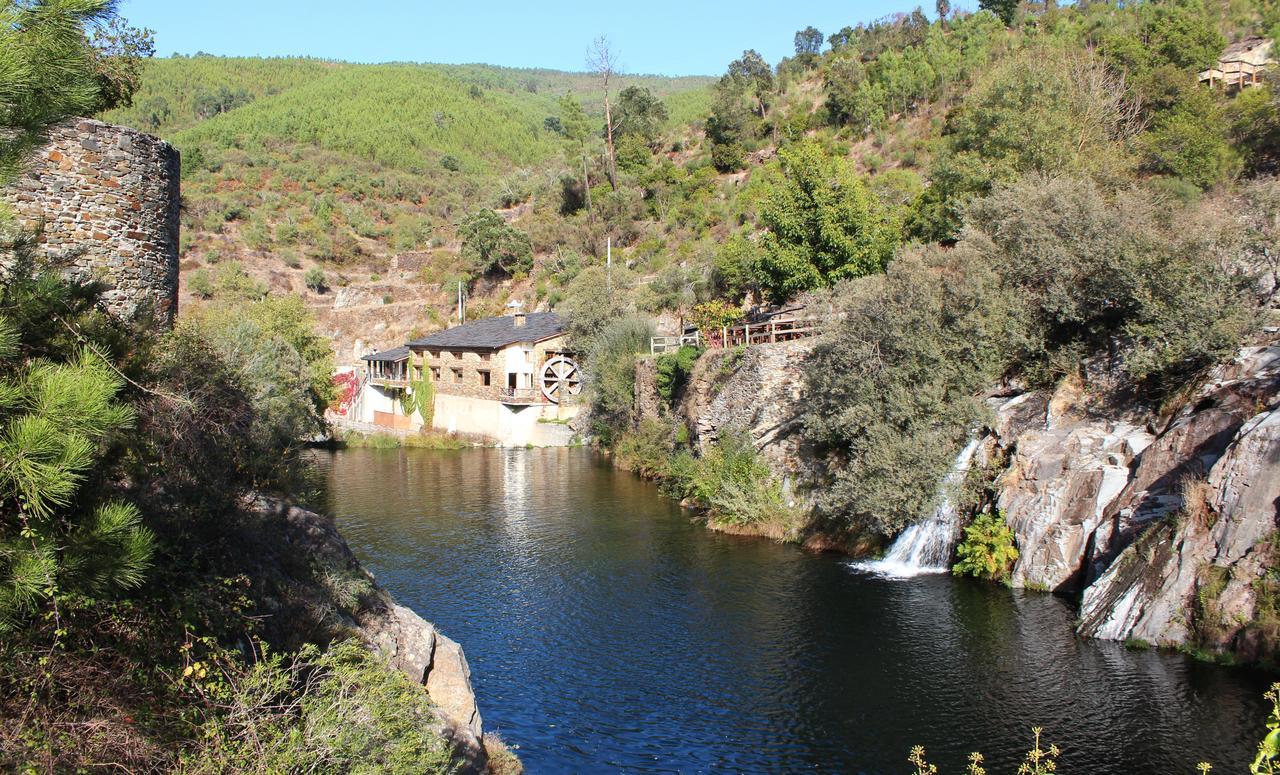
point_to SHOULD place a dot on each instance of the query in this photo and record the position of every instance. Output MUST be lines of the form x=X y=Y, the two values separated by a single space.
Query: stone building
x=510 y=379
x=105 y=199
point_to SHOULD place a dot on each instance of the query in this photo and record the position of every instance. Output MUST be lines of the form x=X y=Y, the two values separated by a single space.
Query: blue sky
x=669 y=37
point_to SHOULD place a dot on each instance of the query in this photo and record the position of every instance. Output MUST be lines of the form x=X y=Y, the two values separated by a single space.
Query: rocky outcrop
x=756 y=390
x=1198 y=576
x=1063 y=474
x=1164 y=522
x=354 y=603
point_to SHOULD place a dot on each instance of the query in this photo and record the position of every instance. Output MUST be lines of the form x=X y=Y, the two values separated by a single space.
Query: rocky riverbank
x=1161 y=520
x=355 y=604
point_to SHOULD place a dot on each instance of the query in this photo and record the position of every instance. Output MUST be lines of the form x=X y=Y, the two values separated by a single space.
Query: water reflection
x=607 y=632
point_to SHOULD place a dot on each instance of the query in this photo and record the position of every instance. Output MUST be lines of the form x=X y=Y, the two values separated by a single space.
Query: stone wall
x=106 y=200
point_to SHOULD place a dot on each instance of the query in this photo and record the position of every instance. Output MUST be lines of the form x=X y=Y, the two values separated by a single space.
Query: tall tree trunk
x=586 y=181
x=608 y=126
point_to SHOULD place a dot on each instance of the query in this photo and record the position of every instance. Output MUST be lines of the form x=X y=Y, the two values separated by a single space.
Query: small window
x=485 y=357
x=457 y=375
x=417 y=373
x=457 y=355
x=484 y=378
x=435 y=373
x=433 y=354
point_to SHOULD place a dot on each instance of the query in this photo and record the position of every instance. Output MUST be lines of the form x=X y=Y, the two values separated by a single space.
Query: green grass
x=358 y=440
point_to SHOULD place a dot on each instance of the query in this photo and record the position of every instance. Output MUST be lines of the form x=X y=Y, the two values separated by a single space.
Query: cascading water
x=926 y=546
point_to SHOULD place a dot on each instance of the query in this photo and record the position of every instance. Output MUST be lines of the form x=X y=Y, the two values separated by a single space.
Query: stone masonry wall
x=106 y=199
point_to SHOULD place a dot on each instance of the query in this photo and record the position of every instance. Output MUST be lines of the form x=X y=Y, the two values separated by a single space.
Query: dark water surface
x=606 y=632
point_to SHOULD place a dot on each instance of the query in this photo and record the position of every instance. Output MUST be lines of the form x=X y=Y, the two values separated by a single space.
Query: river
x=607 y=631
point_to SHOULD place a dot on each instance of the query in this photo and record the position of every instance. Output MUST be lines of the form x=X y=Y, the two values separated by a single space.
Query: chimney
x=517 y=310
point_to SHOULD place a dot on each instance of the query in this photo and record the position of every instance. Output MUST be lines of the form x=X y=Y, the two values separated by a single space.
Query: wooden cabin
x=1240 y=64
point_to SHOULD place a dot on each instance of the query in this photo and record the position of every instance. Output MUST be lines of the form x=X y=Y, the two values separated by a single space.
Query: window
x=457 y=375
x=434 y=354
x=485 y=357
x=417 y=373
x=435 y=373
x=457 y=355
x=484 y=378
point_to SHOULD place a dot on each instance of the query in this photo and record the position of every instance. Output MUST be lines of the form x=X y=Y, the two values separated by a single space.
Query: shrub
x=1125 y=274
x=988 y=550
x=315 y=279
x=673 y=370
x=201 y=284
x=339 y=711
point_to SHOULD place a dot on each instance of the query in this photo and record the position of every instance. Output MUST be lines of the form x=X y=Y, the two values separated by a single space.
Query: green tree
x=1192 y=141
x=754 y=76
x=62 y=532
x=577 y=130
x=50 y=70
x=1047 y=110
x=823 y=222
x=808 y=45
x=639 y=114
x=1007 y=10
x=490 y=244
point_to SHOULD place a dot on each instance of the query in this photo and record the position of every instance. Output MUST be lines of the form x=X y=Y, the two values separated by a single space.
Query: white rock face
x=1221 y=439
x=1062 y=477
x=1148 y=592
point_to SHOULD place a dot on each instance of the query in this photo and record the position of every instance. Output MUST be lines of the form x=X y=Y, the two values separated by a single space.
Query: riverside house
x=510 y=379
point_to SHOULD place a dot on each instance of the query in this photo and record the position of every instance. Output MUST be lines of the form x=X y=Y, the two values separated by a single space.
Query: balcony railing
x=393 y=382
x=521 y=396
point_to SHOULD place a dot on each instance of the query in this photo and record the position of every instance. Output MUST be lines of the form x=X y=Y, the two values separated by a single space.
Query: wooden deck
x=744 y=334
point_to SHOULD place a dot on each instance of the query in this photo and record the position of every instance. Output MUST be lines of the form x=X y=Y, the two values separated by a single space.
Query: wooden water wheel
x=560 y=379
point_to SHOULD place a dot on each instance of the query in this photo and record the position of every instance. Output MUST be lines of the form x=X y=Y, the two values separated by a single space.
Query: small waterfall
x=926 y=546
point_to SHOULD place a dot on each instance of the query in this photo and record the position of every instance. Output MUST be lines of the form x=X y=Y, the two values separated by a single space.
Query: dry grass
x=502 y=761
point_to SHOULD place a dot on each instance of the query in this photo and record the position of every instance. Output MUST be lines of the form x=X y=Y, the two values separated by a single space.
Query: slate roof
x=494 y=333
x=390 y=356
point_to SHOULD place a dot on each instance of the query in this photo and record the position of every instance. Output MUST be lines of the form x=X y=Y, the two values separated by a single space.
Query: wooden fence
x=743 y=334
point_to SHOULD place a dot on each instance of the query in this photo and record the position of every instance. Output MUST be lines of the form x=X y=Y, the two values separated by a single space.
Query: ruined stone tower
x=106 y=197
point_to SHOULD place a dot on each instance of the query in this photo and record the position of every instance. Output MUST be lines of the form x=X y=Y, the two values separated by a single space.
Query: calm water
x=606 y=632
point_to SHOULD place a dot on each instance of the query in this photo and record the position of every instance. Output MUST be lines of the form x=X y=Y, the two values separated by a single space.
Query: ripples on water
x=606 y=632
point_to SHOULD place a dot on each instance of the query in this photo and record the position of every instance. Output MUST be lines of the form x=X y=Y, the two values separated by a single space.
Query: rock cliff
x=1165 y=523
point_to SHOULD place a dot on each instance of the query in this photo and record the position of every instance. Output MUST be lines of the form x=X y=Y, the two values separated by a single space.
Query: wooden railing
x=508 y=395
x=743 y=334
x=389 y=382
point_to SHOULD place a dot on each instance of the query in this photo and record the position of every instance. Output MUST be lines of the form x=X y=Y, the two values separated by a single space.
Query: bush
x=339 y=711
x=1127 y=275
x=201 y=284
x=673 y=370
x=315 y=280
x=988 y=550
x=892 y=388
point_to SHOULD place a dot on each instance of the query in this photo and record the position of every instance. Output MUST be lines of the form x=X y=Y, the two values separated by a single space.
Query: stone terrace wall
x=106 y=198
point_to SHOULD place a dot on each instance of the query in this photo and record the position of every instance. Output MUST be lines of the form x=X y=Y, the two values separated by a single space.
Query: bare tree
x=603 y=61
